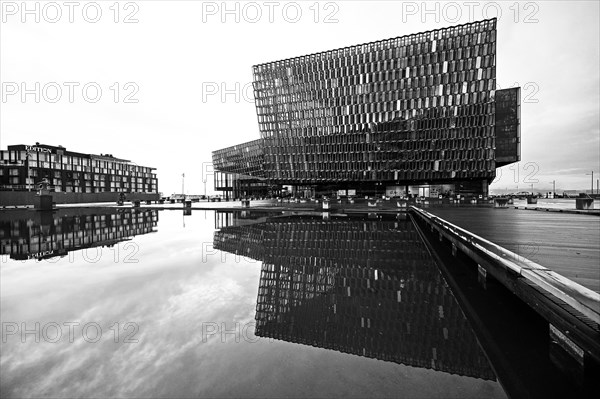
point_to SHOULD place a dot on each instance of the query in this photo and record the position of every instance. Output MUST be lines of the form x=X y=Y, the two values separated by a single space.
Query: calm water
x=219 y=304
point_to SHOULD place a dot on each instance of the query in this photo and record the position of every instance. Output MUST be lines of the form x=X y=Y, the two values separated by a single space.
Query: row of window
x=476 y=33
x=396 y=71
x=413 y=171
x=433 y=85
x=77 y=176
x=399 y=58
x=364 y=113
x=396 y=133
x=317 y=95
x=368 y=111
x=386 y=101
x=63 y=161
x=361 y=162
x=363 y=122
x=68 y=168
x=391 y=153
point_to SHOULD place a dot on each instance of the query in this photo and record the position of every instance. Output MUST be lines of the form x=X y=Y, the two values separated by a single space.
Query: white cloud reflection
x=169 y=297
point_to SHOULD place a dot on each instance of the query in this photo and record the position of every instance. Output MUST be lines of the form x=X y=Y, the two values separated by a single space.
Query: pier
x=568 y=244
x=571 y=311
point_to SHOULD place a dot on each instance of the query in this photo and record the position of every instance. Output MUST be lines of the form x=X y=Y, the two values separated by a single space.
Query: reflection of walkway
x=267 y=204
x=565 y=243
x=203 y=204
x=359 y=286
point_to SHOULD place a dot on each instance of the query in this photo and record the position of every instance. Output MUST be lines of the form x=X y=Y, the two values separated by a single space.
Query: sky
x=164 y=83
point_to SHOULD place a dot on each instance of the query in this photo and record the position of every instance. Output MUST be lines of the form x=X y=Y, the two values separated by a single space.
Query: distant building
x=92 y=177
x=417 y=114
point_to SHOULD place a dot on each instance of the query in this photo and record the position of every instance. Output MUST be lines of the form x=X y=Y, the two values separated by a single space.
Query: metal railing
x=584 y=300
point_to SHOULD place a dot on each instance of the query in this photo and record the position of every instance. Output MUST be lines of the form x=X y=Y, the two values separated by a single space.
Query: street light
x=592 y=174
x=183 y=185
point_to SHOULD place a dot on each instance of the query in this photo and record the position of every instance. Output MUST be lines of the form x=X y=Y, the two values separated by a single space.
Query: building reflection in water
x=42 y=235
x=355 y=285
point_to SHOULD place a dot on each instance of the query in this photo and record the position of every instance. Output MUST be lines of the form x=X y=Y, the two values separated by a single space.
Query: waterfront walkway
x=568 y=244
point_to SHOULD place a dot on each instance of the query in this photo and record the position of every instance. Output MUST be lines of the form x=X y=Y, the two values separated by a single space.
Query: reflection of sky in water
x=169 y=294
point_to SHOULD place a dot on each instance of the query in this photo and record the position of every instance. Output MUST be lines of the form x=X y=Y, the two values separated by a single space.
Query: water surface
x=223 y=304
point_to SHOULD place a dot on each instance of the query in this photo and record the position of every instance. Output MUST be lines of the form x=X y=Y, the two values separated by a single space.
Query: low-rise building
x=78 y=177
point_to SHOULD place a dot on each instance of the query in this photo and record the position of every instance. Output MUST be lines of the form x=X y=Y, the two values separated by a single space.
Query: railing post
x=482 y=276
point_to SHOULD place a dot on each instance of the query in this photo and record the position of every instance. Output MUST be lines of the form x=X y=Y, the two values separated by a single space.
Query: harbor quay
x=365 y=224
x=543 y=263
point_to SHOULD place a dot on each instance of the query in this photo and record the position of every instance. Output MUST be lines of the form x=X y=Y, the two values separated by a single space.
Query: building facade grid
x=417 y=109
x=363 y=287
x=23 y=166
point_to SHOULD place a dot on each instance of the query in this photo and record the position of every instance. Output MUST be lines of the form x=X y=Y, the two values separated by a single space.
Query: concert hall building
x=412 y=115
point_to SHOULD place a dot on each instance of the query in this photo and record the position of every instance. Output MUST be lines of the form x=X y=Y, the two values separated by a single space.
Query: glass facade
x=359 y=286
x=508 y=126
x=239 y=170
x=414 y=109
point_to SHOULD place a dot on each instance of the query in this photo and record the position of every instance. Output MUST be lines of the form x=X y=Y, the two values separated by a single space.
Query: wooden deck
x=565 y=243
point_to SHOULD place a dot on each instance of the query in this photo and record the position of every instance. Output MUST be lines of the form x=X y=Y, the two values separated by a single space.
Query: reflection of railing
x=582 y=299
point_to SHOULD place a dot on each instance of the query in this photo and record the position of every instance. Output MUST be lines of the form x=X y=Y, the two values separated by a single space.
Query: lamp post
x=592 y=174
x=183 y=185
